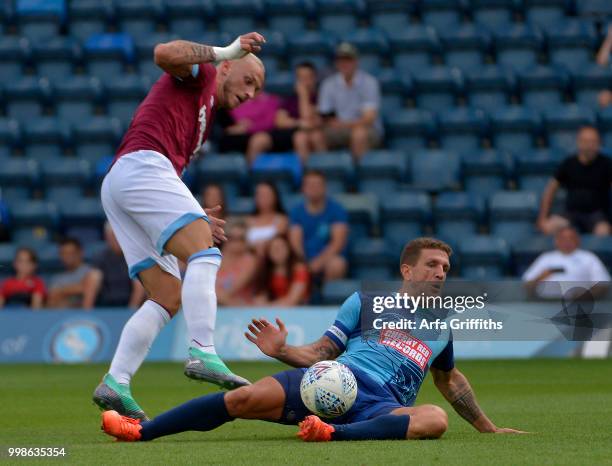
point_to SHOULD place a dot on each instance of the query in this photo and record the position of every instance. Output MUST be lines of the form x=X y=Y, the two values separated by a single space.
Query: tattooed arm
x=455 y=387
x=271 y=340
x=178 y=56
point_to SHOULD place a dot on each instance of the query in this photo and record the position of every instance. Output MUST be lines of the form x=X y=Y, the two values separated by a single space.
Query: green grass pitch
x=566 y=404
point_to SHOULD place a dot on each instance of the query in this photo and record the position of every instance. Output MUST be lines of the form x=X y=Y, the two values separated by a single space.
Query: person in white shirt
x=555 y=272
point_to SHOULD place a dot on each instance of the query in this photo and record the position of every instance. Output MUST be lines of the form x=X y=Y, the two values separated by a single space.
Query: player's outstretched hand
x=216 y=224
x=251 y=42
x=507 y=430
x=268 y=338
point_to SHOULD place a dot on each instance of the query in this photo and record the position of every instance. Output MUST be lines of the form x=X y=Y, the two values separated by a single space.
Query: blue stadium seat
x=276 y=46
x=55 y=58
x=48 y=258
x=241 y=206
x=287 y=16
x=381 y=171
x=335 y=292
x=534 y=169
x=108 y=54
x=138 y=17
x=410 y=129
x=545 y=12
x=489 y=87
x=33 y=236
x=457 y=214
x=372 y=45
x=589 y=81
x=313 y=46
x=88 y=17
x=19 y=172
x=436 y=88
x=493 y=13
x=237 y=16
x=26 y=98
x=283 y=169
x=7 y=254
x=76 y=98
x=124 y=94
x=40 y=19
x=188 y=18
x=561 y=124
x=413 y=47
x=63 y=194
x=600 y=245
x=337 y=167
x=514 y=128
x=393 y=90
x=34 y=214
x=390 y=15
x=597 y=8
x=144 y=46
x=542 y=86
x=45 y=137
x=465 y=46
x=524 y=253
x=403 y=217
x=435 y=170
x=485 y=172
x=371 y=259
x=518 y=46
x=10 y=136
x=571 y=43
x=512 y=214
x=483 y=257
x=461 y=129
x=339 y=16
x=65 y=172
x=83 y=219
x=281 y=83
x=443 y=14
x=363 y=213
x=96 y=138
x=228 y=170
x=605 y=125
x=14 y=52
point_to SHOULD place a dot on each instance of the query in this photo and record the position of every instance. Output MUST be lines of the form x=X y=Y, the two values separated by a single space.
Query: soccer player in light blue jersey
x=389 y=366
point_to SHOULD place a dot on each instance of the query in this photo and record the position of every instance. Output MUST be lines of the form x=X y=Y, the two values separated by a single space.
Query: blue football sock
x=387 y=427
x=204 y=413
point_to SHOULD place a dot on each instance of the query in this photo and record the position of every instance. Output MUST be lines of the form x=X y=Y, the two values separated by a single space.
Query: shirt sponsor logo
x=412 y=348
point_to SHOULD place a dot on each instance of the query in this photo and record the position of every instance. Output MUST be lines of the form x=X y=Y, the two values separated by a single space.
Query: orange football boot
x=313 y=429
x=124 y=429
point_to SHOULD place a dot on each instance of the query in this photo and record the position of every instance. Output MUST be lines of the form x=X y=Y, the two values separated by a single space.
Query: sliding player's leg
x=264 y=400
x=417 y=422
x=193 y=244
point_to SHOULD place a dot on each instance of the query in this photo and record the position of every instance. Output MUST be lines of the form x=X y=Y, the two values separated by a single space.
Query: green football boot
x=112 y=395
x=208 y=367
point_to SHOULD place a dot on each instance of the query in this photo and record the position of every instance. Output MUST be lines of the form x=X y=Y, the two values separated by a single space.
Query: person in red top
x=25 y=289
x=285 y=279
x=155 y=216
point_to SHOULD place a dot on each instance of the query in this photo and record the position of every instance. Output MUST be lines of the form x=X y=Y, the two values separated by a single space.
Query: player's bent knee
x=238 y=402
x=169 y=297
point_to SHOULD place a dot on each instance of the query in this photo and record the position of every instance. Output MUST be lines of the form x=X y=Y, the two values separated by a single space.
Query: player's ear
x=406 y=271
x=226 y=65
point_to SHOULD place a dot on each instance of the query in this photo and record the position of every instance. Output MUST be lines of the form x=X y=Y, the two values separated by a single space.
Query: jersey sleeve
x=346 y=321
x=445 y=361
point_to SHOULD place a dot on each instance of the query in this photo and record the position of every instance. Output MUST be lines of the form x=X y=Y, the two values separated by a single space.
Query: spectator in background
x=112 y=283
x=567 y=263
x=295 y=119
x=25 y=289
x=319 y=230
x=285 y=277
x=349 y=102
x=269 y=218
x=212 y=196
x=236 y=277
x=240 y=124
x=586 y=177
x=75 y=286
x=603 y=59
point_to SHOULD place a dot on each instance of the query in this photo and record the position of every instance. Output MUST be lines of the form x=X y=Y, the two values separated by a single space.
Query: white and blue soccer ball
x=328 y=389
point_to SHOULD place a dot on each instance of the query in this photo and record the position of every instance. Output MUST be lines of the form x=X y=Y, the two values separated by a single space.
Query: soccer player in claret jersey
x=389 y=375
x=156 y=218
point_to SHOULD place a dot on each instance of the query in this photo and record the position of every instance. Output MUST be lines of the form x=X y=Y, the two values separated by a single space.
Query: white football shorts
x=146 y=203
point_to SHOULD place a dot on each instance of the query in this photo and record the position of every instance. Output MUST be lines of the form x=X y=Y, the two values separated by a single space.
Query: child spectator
x=25 y=289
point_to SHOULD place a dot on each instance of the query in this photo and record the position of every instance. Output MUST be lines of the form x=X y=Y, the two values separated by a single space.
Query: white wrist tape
x=231 y=52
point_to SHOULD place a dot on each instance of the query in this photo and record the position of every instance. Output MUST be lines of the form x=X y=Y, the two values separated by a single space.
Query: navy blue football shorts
x=372 y=399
